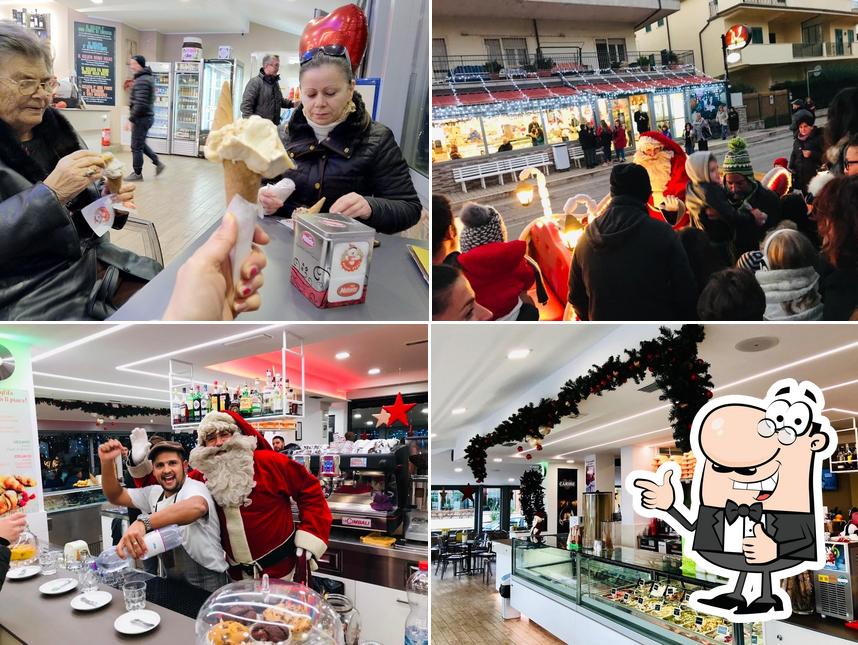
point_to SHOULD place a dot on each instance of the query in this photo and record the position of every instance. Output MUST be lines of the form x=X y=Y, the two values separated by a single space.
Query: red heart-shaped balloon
x=344 y=25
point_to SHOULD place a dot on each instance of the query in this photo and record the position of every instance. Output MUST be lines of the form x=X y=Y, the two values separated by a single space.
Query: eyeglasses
x=29 y=86
x=847 y=164
x=338 y=51
x=220 y=434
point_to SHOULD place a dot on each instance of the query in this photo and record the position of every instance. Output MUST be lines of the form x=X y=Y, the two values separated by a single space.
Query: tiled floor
x=467 y=612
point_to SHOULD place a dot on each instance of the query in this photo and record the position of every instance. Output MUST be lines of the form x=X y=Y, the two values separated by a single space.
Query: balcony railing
x=818 y=50
x=513 y=65
x=807 y=50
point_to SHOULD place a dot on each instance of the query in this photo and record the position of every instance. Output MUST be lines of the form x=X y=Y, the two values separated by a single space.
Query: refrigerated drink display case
x=159 y=133
x=186 y=105
x=216 y=71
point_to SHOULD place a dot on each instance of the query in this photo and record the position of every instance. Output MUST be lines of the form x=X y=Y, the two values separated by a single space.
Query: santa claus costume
x=664 y=160
x=253 y=486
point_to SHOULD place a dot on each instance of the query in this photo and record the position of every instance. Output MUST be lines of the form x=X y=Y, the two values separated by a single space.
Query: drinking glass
x=135 y=595
x=74 y=567
x=48 y=560
x=88 y=576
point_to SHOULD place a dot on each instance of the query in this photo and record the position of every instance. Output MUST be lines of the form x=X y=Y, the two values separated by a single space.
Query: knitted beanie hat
x=482 y=225
x=631 y=180
x=738 y=160
x=215 y=422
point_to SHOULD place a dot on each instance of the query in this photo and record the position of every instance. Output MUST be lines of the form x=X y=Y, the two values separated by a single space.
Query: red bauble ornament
x=708 y=394
x=519 y=448
x=529 y=456
x=344 y=25
x=539 y=446
x=694 y=377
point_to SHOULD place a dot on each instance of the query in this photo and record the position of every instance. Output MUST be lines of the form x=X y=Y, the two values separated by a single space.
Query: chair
x=145 y=240
x=445 y=557
x=488 y=559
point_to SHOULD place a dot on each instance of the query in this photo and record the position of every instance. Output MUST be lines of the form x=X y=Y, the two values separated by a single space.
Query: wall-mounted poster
x=95 y=62
x=567 y=497
x=590 y=474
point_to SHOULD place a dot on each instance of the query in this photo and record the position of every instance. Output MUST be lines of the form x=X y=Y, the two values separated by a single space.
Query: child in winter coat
x=499 y=271
x=789 y=278
x=620 y=141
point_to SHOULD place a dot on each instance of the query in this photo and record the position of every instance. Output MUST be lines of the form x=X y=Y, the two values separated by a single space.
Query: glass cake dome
x=267 y=612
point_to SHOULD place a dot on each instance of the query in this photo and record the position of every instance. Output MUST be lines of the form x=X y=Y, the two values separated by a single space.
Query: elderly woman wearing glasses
x=52 y=266
x=341 y=154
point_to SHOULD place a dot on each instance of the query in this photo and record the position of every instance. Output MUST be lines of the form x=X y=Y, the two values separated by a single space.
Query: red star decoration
x=398 y=411
x=468 y=493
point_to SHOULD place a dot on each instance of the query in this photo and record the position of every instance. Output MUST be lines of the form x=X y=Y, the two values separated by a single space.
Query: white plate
x=124 y=625
x=98 y=599
x=21 y=573
x=58 y=586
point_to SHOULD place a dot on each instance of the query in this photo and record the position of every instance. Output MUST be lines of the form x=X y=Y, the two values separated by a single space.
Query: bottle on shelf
x=184 y=410
x=417 y=623
x=255 y=401
x=198 y=401
x=207 y=401
x=849 y=455
x=245 y=407
x=157 y=542
x=214 y=401
x=223 y=398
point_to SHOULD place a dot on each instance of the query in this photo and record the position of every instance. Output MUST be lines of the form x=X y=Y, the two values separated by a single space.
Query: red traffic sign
x=737 y=37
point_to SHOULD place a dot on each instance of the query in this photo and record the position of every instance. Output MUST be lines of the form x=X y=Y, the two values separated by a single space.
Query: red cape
x=678 y=177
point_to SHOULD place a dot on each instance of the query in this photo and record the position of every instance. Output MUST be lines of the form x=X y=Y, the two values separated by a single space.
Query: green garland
x=532 y=496
x=106 y=409
x=671 y=358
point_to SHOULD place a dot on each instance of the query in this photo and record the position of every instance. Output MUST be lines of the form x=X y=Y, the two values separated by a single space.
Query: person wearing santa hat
x=664 y=161
x=253 y=487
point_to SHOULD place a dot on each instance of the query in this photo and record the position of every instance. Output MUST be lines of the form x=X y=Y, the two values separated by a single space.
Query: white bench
x=497 y=169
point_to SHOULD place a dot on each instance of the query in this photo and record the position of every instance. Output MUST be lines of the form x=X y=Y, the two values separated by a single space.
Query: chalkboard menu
x=95 y=62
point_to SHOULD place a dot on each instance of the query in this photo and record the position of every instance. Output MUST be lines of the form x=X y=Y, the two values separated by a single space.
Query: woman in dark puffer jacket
x=341 y=153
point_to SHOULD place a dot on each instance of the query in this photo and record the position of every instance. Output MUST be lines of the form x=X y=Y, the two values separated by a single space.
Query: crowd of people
x=684 y=235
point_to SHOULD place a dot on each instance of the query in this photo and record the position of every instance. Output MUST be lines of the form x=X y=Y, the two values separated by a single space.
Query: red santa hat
x=678 y=177
x=782 y=162
x=232 y=421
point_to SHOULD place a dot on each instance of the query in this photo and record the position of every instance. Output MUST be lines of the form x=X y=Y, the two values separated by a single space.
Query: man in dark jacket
x=263 y=96
x=806 y=152
x=641 y=120
x=748 y=196
x=142 y=116
x=628 y=266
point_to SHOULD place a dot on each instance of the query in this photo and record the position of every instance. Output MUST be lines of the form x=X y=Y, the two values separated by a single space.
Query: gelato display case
x=644 y=592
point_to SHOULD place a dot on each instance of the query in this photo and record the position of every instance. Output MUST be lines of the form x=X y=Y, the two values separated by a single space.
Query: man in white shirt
x=176 y=499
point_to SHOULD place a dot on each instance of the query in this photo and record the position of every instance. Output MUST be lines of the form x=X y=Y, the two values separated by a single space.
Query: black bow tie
x=734 y=510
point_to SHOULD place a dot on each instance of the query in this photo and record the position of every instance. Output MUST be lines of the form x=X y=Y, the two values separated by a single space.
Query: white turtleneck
x=323 y=131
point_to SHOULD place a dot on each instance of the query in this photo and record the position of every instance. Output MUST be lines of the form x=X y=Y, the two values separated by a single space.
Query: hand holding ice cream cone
x=112 y=173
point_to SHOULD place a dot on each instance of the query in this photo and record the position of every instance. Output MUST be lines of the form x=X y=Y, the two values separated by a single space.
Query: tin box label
x=332 y=222
x=348 y=289
x=361 y=522
x=357 y=462
x=308 y=239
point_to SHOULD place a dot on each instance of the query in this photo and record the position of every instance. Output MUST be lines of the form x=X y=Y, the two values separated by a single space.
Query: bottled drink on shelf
x=185 y=409
x=849 y=453
x=197 y=403
x=245 y=407
x=223 y=398
x=157 y=542
x=255 y=402
x=417 y=623
x=207 y=401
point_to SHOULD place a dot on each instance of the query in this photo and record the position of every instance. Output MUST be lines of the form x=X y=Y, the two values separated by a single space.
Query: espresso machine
x=368 y=492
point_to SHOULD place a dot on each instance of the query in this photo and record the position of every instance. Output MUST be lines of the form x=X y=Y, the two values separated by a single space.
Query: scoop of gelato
x=254 y=142
x=113 y=168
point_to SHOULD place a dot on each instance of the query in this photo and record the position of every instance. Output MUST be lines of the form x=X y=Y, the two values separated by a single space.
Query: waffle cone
x=240 y=180
x=114 y=185
x=223 y=113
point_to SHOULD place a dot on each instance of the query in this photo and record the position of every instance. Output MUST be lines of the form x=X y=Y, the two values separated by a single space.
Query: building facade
x=788 y=37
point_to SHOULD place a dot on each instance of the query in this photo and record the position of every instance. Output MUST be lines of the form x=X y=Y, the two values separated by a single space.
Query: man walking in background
x=142 y=117
x=263 y=96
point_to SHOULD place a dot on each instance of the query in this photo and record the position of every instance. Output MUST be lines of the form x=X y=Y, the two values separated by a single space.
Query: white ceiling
x=582 y=11
x=471 y=370
x=396 y=350
x=204 y=16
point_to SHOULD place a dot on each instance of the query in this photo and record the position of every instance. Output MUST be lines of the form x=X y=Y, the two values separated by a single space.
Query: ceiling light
x=841 y=410
x=459 y=410
x=608 y=443
x=372 y=371
x=96 y=1
x=79 y=342
x=113 y=395
x=160 y=390
x=458 y=470
x=497 y=460
x=358 y=415
x=433 y=435
x=369 y=423
x=425 y=410
x=570 y=461
x=511 y=479
x=151 y=420
x=836 y=385
x=757 y=344
x=341 y=356
x=517 y=354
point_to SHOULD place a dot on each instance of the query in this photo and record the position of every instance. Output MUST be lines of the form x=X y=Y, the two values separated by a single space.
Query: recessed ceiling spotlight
x=369 y=423
x=459 y=411
x=511 y=479
x=497 y=460
x=458 y=470
x=425 y=410
x=96 y=1
x=373 y=371
x=570 y=461
x=516 y=354
x=358 y=415
x=433 y=435
x=758 y=344
x=341 y=356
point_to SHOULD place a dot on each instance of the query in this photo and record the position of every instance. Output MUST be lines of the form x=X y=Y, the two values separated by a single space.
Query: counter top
x=828 y=626
x=35 y=619
x=349 y=541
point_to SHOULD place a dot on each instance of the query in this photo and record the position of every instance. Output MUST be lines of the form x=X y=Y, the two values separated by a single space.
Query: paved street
x=596 y=184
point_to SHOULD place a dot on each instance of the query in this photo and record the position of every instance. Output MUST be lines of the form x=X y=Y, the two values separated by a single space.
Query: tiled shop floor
x=467 y=612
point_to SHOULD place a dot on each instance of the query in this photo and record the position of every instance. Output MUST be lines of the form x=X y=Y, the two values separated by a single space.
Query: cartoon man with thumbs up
x=756 y=497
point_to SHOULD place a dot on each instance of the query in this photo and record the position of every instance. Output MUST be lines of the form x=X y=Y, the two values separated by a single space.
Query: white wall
x=339 y=410
x=632 y=458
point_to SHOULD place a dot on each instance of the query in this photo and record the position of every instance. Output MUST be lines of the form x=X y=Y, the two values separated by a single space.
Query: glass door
x=237 y=87
x=216 y=72
x=159 y=133
x=186 y=96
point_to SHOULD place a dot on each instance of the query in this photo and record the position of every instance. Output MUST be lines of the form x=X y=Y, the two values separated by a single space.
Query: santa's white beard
x=658 y=169
x=228 y=469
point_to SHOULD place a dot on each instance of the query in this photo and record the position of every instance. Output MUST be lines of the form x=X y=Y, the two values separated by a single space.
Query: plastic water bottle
x=157 y=542
x=417 y=623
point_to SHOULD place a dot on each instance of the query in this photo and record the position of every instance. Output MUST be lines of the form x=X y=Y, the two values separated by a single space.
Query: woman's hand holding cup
x=74 y=173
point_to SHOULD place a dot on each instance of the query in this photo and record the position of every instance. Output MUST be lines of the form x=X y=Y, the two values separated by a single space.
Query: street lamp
x=523 y=188
x=816 y=71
